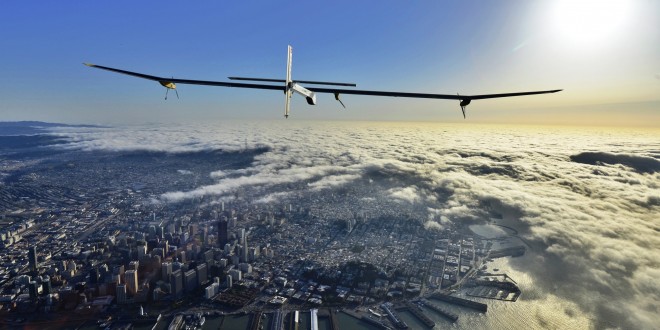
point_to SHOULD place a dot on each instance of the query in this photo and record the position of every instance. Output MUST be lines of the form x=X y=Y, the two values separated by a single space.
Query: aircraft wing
x=424 y=95
x=164 y=81
x=292 y=85
x=316 y=89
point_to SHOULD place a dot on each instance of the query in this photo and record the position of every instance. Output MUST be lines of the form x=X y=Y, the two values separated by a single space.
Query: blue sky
x=600 y=54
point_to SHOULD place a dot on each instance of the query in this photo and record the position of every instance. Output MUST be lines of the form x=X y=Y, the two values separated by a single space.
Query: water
x=411 y=320
x=304 y=321
x=489 y=231
x=324 y=323
x=348 y=322
x=233 y=322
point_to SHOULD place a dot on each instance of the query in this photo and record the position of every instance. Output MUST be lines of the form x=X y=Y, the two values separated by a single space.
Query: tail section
x=288 y=84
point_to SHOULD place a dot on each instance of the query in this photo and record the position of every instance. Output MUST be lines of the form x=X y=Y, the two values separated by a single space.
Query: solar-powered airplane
x=290 y=86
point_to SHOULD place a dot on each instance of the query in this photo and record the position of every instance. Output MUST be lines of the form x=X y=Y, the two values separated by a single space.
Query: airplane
x=290 y=86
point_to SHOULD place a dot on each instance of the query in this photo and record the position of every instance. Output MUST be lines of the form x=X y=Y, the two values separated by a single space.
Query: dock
x=461 y=302
x=313 y=319
x=394 y=318
x=293 y=320
x=415 y=310
x=373 y=322
x=334 y=322
x=255 y=323
x=451 y=316
x=368 y=319
x=276 y=322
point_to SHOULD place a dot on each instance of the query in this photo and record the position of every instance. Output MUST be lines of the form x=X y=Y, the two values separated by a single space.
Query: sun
x=589 y=23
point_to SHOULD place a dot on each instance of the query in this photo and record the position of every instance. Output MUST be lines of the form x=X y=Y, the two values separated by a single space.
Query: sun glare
x=590 y=23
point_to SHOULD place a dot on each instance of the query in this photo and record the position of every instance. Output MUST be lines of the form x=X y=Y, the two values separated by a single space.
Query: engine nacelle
x=464 y=103
x=167 y=84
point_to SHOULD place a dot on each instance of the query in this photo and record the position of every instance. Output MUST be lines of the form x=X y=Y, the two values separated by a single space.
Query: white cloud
x=594 y=226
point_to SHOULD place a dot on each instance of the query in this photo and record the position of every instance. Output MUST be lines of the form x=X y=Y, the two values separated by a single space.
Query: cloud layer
x=586 y=200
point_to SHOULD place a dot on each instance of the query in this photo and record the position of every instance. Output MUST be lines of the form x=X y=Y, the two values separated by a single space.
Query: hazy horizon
x=604 y=55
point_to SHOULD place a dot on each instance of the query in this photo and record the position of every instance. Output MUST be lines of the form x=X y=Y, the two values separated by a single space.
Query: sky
x=604 y=54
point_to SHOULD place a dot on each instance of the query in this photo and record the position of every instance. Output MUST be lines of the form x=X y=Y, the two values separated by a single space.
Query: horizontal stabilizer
x=297 y=81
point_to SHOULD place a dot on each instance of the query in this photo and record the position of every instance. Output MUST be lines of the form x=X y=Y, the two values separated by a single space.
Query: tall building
x=141 y=251
x=202 y=274
x=253 y=253
x=190 y=280
x=166 y=268
x=235 y=274
x=192 y=230
x=211 y=290
x=32 y=257
x=34 y=290
x=131 y=281
x=176 y=283
x=121 y=293
x=244 y=250
x=46 y=285
x=223 y=235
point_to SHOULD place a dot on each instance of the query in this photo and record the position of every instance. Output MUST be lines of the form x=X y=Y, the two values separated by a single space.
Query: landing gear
x=167 y=90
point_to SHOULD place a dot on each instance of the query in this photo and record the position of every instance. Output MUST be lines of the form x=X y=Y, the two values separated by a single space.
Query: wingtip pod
x=88 y=64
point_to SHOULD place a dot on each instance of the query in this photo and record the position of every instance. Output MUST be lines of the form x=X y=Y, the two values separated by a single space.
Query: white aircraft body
x=290 y=86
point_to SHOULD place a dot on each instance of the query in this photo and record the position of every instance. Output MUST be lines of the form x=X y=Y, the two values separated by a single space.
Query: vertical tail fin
x=287 y=86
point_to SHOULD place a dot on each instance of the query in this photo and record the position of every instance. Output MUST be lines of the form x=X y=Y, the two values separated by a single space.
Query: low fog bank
x=587 y=200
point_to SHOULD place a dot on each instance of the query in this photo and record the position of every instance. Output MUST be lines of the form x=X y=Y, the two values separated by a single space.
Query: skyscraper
x=190 y=280
x=223 y=236
x=176 y=283
x=46 y=285
x=202 y=274
x=166 y=268
x=32 y=257
x=121 y=293
x=131 y=281
x=34 y=289
x=244 y=250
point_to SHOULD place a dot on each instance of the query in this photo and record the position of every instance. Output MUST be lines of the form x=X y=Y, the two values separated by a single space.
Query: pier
x=255 y=323
x=449 y=315
x=393 y=317
x=313 y=319
x=415 y=310
x=334 y=322
x=461 y=302
x=293 y=320
x=276 y=322
x=368 y=319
